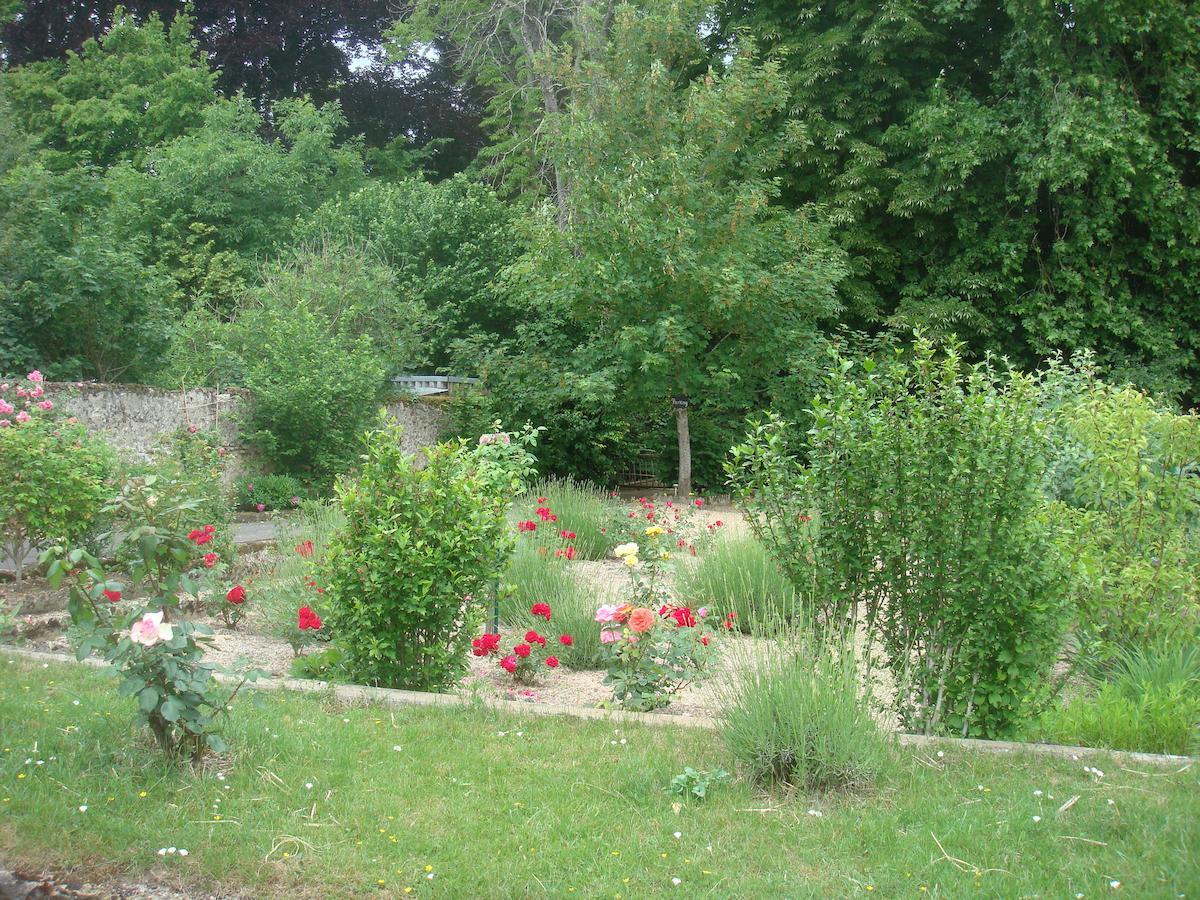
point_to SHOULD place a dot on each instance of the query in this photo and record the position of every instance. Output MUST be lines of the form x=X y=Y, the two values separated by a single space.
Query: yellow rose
x=631 y=560
x=655 y=531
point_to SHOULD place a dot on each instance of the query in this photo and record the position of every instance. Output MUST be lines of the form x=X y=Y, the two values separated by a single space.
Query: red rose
x=210 y=560
x=704 y=639
x=305 y=549
x=534 y=638
x=729 y=621
x=541 y=609
x=236 y=595
x=683 y=617
x=566 y=640
x=542 y=500
x=552 y=662
x=309 y=620
x=210 y=529
x=522 y=650
x=113 y=596
x=509 y=664
x=569 y=553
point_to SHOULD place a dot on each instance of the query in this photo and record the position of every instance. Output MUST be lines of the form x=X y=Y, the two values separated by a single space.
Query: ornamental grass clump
x=581 y=510
x=406 y=579
x=796 y=715
x=737 y=574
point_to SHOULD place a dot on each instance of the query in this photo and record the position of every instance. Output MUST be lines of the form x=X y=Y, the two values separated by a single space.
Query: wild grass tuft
x=794 y=715
x=736 y=575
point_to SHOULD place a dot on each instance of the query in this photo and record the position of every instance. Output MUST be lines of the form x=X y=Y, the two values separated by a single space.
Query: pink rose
x=22 y=416
x=35 y=376
x=4 y=423
x=37 y=391
x=47 y=404
x=609 y=636
x=5 y=407
x=150 y=629
x=606 y=613
x=260 y=506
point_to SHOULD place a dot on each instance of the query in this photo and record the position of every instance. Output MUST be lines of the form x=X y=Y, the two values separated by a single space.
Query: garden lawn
x=319 y=800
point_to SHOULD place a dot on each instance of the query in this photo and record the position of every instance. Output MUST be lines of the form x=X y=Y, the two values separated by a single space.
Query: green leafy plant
x=1147 y=700
x=422 y=547
x=692 y=784
x=1126 y=476
x=56 y=477
x=157 y=655
x=268 y=492
x=737 y=575
x=796 y=714
x=918 y=514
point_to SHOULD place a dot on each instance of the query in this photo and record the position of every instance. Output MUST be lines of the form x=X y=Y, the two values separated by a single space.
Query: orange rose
x=641 y=620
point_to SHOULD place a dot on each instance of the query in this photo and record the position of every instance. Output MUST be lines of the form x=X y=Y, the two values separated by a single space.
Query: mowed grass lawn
x=319 y=800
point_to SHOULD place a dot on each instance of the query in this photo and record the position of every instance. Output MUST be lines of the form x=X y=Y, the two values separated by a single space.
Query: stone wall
x=135 y=418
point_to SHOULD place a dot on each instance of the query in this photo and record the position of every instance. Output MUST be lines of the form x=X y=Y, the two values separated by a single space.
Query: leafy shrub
x=795 y=714
x=55 y=476
x=737 y=575
x=919 y=514
x=314 y=392
x=536 y=576
x=1127 y=478
x=271 y=492
x=158 y=656
x=582 y=510
x=1149 y=702
x=422 y=546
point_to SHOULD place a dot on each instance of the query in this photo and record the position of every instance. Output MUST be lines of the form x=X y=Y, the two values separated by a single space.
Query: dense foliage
x=421 y=548
x=919 y=514
x=1025 y=175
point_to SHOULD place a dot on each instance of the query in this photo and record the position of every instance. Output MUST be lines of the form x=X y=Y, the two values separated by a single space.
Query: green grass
x=736 y=575
x=557 y=810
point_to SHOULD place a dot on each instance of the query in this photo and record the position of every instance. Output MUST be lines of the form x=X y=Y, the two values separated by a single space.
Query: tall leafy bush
x=422 y=546
x=918 y=514
x=1127 y=483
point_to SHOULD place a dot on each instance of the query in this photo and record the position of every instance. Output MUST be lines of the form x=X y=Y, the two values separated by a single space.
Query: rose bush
x=530 y=655
x=653 y=647
x=55 y=477
x=157 y=655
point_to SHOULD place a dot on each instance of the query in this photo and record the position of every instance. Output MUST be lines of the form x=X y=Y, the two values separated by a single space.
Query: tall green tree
x=1025 y=175
x=675 y=271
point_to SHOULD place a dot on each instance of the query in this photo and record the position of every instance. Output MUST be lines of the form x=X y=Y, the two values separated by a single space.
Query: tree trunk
x=685 y=452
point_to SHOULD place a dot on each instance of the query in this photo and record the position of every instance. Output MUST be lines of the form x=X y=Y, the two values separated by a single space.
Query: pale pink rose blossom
x=22 y=416
x=47 y=404
x=35 y=376
x=150 y=629
x=609 y=636
x=37 y=391
x=702 y=611
x=606 y=613
x=4 y=423
x=5 y=407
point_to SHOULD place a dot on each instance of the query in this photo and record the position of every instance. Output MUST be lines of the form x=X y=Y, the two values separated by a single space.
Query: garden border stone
x=354 y=693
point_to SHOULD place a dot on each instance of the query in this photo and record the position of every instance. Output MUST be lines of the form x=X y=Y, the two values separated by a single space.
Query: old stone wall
x=135 y=418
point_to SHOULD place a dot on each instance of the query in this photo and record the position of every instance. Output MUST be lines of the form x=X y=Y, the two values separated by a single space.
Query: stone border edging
x=394 y=697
